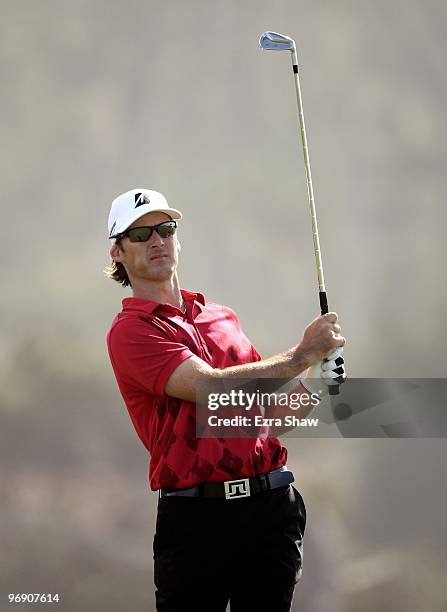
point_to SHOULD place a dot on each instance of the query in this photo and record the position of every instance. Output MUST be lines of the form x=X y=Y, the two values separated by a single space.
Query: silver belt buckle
x=237 y=488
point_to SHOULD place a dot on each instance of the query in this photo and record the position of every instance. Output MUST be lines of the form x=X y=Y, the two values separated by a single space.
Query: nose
x=156 y=240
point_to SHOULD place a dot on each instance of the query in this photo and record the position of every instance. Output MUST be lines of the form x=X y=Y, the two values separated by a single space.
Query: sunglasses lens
x=140 y=234
x=166 y=230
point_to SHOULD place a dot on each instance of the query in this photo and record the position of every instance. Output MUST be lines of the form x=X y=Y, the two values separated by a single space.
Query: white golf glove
x=324 y=373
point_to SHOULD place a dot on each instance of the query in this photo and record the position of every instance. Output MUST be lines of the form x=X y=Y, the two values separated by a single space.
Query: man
x=215 y=541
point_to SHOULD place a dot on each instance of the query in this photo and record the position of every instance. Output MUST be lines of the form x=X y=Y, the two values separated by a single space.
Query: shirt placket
x=199 y=341
x=206 y=356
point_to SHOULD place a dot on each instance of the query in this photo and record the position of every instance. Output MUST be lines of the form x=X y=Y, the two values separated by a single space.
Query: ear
x=116 y=252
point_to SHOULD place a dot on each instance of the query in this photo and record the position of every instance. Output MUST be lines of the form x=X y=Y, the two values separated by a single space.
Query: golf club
x=272 y=41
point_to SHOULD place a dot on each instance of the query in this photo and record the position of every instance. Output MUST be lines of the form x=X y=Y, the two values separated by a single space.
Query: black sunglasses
x=142 y=234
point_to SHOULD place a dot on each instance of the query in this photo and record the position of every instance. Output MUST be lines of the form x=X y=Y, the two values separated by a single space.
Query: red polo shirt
x=146 y=342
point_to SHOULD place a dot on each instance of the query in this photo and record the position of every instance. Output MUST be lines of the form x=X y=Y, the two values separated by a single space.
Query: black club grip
x=333 y=389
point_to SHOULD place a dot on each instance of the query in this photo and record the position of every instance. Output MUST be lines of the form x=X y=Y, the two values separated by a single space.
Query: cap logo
x=140 y=199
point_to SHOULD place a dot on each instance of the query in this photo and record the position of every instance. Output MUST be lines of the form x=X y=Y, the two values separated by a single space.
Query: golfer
x=230 y=524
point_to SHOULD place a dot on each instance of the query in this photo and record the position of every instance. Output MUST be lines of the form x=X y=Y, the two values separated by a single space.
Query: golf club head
x=276 y=42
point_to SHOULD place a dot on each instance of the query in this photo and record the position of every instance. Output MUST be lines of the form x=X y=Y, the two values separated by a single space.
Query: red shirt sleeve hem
x=166 y=372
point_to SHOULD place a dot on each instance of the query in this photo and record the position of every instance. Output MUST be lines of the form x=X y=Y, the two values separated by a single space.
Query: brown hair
x=117 y=272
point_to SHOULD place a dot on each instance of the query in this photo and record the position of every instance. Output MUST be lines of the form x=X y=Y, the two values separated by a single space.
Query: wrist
x=301 y=360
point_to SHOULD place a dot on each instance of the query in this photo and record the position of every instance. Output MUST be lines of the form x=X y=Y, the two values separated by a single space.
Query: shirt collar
x=132 y=303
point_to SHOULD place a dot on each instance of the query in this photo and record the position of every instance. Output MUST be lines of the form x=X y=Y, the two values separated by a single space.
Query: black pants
x=247 y=551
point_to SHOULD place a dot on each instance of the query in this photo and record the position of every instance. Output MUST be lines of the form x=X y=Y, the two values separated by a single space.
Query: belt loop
x=267 y=480
x=264 y=482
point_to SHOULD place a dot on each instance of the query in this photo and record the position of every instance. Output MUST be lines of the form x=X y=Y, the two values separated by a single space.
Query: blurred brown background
x=101 y=96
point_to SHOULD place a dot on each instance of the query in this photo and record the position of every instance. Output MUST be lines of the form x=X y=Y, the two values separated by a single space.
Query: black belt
x=234 y=489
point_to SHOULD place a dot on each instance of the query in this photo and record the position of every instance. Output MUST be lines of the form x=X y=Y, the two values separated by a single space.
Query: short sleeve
x=142 y=356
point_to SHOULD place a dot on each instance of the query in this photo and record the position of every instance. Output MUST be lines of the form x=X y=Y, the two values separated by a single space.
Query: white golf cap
x=130 y=206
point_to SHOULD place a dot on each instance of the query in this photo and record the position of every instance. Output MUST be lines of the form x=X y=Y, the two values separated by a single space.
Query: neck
x=163 y=292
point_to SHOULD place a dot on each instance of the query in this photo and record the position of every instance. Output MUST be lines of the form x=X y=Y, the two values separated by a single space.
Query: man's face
x=154 y=260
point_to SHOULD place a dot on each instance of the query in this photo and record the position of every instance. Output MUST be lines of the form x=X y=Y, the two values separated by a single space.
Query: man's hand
x=321 y=337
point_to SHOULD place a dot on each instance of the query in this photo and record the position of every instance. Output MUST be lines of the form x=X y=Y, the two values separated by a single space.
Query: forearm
x=184 y=380
x=285 y=365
